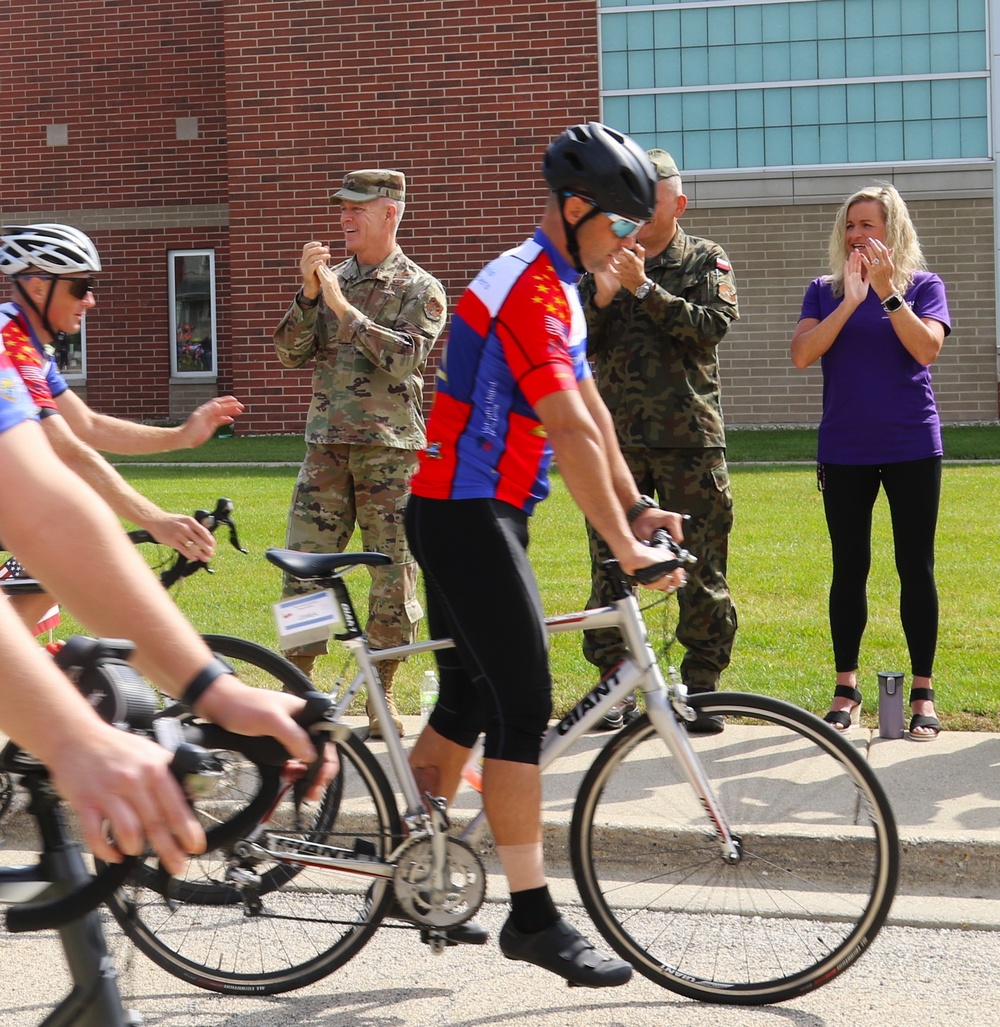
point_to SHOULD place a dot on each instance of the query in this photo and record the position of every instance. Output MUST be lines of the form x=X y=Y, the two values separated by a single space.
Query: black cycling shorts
x=481 y=591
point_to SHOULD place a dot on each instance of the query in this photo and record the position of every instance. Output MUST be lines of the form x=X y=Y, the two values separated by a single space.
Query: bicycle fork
x=663 y=718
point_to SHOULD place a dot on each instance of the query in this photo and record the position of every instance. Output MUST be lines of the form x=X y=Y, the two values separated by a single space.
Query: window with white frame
x=70 y=354
x=191 y=282
x=733 y=84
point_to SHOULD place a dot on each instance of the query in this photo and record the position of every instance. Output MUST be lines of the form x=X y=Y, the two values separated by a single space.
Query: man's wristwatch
x=304 y=303
x=892 y=303
x=642 y=504
x=644 y=290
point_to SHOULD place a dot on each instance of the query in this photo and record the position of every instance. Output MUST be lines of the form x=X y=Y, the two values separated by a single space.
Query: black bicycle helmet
x=604 y=165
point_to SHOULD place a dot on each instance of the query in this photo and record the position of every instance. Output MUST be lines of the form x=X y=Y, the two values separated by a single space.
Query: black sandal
x=923 y=719
x=844 y=720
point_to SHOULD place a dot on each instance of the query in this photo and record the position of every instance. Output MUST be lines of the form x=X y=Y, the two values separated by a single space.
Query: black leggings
x=482 y=592
x=913 y=489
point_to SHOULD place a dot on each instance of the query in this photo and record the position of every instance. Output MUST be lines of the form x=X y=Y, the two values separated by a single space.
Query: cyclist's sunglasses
x=622 y=227
x=79 y=287
x=76 y=287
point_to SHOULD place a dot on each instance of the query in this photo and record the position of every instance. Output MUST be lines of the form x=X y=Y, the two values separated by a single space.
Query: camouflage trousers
x=693 y=482
x=343 y=486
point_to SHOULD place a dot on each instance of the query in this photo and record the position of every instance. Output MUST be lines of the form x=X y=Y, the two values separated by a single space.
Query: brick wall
x=227 y=124
x=94 y=114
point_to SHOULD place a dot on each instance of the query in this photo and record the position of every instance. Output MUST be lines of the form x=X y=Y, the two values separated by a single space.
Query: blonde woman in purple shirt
x=876 y=324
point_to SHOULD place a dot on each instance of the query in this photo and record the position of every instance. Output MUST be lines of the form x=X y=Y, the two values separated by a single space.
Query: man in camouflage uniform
x=370 y=324
x=654 y=325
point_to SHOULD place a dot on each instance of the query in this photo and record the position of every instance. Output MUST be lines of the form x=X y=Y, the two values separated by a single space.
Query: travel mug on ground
x=890 y=704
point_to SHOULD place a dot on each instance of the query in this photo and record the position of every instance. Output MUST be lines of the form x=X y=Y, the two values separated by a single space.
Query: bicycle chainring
x=465 y=884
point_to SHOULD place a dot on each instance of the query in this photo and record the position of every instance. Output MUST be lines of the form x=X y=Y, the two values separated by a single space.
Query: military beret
x=664 y=164
x=369 y=184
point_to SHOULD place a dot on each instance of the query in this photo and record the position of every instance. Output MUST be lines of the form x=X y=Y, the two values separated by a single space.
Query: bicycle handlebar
x=51 y=914
x=183 y=566
x=194 y=766
x=679 y=558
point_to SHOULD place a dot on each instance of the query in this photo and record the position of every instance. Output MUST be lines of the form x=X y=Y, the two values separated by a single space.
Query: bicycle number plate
x=304 y=619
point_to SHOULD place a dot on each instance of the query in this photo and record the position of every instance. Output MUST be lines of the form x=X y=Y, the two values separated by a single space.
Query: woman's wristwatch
x=892 y=303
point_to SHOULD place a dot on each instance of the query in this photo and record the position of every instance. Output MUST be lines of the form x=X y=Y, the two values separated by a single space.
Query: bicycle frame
x=666 y=706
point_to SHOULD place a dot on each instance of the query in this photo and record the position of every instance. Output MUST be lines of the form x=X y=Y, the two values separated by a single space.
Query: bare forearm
x=61 y=529
x=622 y=481
x=582 y=460
x=99 y=474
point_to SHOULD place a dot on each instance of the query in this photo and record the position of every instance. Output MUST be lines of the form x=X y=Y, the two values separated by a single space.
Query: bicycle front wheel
x=819 y=854
x=240 y=922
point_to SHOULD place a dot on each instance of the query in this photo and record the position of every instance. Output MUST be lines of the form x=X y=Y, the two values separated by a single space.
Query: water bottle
x=890 y=704
x=428 y=695
x=472 y=772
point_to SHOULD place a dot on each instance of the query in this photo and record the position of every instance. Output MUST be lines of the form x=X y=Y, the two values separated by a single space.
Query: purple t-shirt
x=878 y=404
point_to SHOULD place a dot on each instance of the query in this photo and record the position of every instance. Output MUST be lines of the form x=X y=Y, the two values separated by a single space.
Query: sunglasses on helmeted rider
x=621 y=226
x=79 y=287
x=76 y=287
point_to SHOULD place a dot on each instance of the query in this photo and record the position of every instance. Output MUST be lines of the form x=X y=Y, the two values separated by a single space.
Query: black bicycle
x=59 y=893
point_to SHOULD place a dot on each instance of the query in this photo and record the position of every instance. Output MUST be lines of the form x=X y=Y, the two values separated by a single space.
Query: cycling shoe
x=563 y=950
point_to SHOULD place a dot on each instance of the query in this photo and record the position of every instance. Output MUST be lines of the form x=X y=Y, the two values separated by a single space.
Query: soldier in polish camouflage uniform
x=369 y=323
x=653 y=329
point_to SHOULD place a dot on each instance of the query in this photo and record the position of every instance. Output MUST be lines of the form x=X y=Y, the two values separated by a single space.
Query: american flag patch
x=12 y=569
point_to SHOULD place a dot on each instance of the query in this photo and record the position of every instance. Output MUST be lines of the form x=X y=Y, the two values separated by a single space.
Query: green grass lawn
x=779 y=575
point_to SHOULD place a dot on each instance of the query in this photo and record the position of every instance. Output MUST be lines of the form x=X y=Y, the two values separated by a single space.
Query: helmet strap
x=572 y=243
x=42 y=315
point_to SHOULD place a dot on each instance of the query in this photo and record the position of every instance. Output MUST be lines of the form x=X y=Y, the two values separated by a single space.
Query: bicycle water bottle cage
x=99 y=669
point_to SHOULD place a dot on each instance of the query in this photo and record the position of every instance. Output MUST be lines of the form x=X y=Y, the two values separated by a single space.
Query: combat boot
x=304 y=663
x=386 y=672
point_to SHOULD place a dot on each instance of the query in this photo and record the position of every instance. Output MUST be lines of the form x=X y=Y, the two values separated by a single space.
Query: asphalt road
x=909 y=977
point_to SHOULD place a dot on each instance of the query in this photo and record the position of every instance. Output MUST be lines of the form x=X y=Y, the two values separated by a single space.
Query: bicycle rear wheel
x=819 y=866
x=218 y=929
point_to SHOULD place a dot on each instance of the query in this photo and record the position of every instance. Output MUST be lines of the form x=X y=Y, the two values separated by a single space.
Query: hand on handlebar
x=660 y=533
x=183 y=533
x=122 y=788
x=259 y=712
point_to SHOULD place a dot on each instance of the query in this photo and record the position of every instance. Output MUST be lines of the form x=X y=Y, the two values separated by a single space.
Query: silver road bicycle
x=746 y=867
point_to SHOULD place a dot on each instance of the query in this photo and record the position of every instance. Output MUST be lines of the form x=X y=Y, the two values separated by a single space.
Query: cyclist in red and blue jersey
x=514 y=391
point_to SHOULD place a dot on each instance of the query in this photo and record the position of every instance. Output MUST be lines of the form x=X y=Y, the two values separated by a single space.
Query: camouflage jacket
x=655 y=359
x=368 y=382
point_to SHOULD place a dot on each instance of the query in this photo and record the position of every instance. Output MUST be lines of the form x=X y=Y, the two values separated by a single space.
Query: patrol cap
x=665 y=165
x=369 y=184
